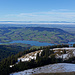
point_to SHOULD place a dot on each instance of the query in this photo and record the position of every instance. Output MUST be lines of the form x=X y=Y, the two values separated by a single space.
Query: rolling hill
x=50 y=35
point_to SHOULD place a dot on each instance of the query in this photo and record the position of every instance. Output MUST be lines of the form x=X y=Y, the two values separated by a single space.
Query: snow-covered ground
x=58 y=52
x=29 y=56
x=32 y=55
x=52 y=68
x=70 y=48
x=70 y=52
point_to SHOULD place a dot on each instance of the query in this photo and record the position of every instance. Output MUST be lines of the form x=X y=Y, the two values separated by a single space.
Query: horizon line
x=35 y=23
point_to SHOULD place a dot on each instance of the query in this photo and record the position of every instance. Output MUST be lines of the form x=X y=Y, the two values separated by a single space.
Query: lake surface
x=32 y=43
x=71 y=43
x=35 y=43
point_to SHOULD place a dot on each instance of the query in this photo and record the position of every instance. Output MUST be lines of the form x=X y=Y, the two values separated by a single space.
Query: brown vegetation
x=64 y=73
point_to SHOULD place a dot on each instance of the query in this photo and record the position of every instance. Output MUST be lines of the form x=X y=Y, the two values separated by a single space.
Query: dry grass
x=64 y=73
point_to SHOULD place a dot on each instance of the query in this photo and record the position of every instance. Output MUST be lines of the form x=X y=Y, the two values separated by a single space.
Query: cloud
x=26 y=14
x=53 y=15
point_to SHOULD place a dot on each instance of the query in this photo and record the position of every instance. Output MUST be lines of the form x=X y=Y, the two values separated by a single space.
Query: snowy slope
x=29 y=56
x=70 y=52
x=60 y=67
x=52 y=68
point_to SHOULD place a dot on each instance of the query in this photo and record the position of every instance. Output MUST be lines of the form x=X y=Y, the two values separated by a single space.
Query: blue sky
x=37 y=10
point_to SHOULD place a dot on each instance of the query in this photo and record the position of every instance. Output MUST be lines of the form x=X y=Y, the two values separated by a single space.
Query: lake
x=71 y=43
x=35 y=43
x=32 y=43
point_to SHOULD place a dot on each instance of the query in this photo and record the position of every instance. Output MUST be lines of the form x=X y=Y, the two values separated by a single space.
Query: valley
x=37 y=37
x=51 y=35
x=44 y=45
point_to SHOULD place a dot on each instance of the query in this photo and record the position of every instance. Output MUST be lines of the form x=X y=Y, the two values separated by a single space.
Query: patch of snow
x=11 y=66
x=70 y=52
x=24 y=59
x=74 y=52
x=70 y=48
x=61 y=51
x=64 y=56
x=30 y=56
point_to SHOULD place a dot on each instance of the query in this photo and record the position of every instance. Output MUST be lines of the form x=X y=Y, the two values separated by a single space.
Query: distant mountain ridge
x=48 y=29
x=35 y=22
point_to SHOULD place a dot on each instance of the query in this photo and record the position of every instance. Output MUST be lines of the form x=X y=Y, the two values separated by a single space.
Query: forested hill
x=8 y=50
x=48 y=29
x=50 y=35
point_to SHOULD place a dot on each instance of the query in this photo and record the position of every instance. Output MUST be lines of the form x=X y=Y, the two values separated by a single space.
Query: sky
x=37 y=10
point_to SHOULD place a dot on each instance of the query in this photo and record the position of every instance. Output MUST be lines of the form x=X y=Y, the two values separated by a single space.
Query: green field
x=50 y=35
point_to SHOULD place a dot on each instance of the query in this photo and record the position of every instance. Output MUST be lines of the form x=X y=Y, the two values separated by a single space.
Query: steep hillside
x=8 y=50
x=51 y=35
x=44 y=55
x=59 y=67
x=56 y=69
